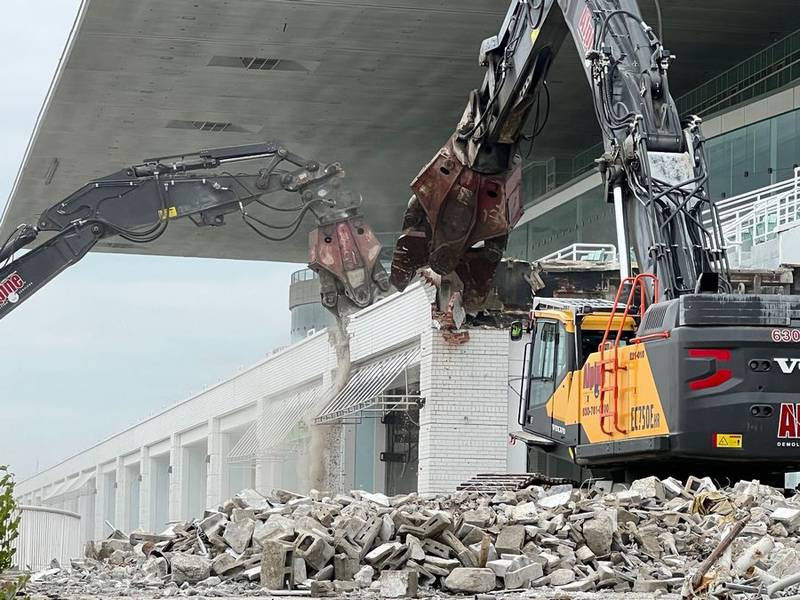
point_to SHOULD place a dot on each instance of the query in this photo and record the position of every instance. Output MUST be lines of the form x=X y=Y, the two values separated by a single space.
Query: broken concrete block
x=299 y=570
x=155 y=566
x=695 y=485
x=464 y=555
x=322 y=589
x=583 y=585
x=584 y=554
x=364 y=576
x=436 y=525
x=415 y=551
x=189 y=567
x=505 y=497
x=597 y=532
x=510 y=540
x=561 y=577
x=108 y=547
x=672 y=487
x=382 y=552
x=480 y=517
x=434 y=548
x=324 y=574
x=314 y=550
x=650 y=585
x=398 y=584
x=649 y=487
x=499 y=566
x=789 y=517
x=277 y=527
x=277 y=565
x=221 y=563
x=343 y=545
x=387 y=528
x=238 y=534
x=628 y=497
x=342 y=587
x=249 y=498
x=522 y=577
x=242 y=514
x=366 y=537
x=555 y=500
x=214 y=523
x=525 y=513
x=118 y=557
x=471 y=580
x=379 y=499
x=345 y=568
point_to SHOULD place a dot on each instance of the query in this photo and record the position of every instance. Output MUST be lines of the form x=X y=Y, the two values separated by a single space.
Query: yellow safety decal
x=167 y=213
x=534 y=35
x=728 y=440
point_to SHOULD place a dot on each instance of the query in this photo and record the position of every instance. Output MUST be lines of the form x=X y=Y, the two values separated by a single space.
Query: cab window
x=549 y=361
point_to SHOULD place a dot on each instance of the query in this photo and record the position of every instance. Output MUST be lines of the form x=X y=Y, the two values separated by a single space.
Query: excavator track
x=489 y=483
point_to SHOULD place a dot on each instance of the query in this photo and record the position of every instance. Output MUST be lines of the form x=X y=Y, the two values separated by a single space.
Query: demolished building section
x=656 y=536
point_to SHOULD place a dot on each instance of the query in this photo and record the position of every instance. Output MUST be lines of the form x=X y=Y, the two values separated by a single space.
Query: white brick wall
x=464 y=424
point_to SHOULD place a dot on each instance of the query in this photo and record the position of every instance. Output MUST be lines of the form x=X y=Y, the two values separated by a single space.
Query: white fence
x=756 y=217
x=44 y=534
x=585 y=252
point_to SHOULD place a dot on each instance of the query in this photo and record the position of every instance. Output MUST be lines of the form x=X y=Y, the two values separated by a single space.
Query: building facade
x=412 y=412
x=751 y=120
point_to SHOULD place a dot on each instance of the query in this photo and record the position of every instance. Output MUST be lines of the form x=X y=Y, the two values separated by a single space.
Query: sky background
x=115 y=338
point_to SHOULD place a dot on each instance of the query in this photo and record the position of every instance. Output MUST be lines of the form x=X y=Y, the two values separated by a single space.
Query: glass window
x=549 y=362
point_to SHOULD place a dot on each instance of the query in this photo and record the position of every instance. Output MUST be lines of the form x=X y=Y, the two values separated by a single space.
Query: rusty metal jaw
x=345 y=254
x=458 y=221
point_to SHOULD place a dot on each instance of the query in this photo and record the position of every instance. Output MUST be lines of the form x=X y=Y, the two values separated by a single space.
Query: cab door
x=548 y=364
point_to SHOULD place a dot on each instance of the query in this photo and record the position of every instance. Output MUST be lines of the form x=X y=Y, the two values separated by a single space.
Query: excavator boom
x=138 y=203
x=468 y=198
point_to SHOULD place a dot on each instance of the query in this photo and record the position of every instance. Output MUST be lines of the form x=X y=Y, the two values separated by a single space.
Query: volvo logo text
x=788 y=365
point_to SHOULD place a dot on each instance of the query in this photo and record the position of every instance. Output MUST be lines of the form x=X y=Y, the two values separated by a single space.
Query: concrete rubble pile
x=654 y=537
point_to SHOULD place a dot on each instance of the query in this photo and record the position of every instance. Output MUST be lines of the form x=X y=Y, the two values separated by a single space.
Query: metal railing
x=304 y=275
x=45 y=534
x=584 y=252
x=756 y=217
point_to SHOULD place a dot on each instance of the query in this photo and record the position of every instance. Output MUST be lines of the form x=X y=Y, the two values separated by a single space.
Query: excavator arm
x=468 y=198
x=138 y=204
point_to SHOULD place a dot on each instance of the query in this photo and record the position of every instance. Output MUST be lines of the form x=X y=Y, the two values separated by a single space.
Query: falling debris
x=654 y=537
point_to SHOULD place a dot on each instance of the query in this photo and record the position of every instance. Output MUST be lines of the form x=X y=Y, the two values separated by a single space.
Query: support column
x=215 y=466
x=121 y=508
x=99 y=503
x=175 y=478
x=145 y=488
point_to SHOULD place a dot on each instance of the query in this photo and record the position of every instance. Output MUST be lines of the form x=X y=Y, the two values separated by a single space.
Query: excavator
x=138 y=203
x=678 y=374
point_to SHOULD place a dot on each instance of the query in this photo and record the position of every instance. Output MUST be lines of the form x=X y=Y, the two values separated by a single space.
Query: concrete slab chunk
x=398 y=584
x=471 y=580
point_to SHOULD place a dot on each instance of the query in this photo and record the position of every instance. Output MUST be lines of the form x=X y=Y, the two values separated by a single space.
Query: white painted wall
x=464 y=423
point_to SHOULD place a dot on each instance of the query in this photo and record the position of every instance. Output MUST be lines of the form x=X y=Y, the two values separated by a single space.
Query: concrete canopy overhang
x=376 y=85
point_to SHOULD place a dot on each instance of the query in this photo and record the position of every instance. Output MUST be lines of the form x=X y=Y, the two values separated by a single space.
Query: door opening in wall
x=402 y=451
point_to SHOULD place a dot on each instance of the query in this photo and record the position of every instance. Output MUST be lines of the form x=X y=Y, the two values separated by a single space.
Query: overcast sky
x=114 y=338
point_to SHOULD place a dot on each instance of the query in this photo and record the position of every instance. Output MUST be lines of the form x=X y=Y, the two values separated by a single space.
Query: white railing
x=756 y=217
x=45 y=534
x=585 y=252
